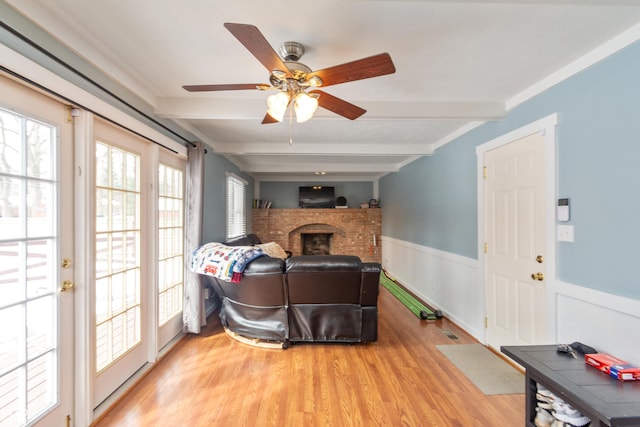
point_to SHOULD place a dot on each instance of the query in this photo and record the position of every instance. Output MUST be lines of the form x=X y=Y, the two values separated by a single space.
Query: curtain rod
x=75 y=104
x=90 y=80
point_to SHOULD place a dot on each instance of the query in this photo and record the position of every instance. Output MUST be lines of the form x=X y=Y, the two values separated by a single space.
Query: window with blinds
x=236 y=206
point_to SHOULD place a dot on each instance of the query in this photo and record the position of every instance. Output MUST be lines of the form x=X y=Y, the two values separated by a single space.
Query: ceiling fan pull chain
x=290 y=126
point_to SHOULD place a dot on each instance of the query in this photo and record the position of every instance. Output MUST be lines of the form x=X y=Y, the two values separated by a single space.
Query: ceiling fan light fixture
x=292 y=77
x=315 y=81
x=304 y=106
x=279 y=74
x=277 y=105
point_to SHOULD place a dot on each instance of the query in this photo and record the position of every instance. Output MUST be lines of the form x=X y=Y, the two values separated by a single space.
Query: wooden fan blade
x=213 y=88
x=254 y=41
x=268 y=119
x=373 y=66
x=338 y=106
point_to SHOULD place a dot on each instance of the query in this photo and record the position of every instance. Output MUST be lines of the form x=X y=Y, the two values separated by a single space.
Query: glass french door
x=36 y=245
x=171 y=186
x=121 y=257
x=130 y=221
x=138 y=259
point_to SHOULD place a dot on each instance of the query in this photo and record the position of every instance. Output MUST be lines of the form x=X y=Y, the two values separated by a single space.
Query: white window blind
x=236 y=211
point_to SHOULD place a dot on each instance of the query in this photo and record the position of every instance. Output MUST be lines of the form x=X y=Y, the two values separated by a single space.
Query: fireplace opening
x=316 y=243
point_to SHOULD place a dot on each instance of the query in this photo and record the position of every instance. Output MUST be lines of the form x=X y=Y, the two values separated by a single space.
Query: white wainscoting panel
x=452 y=284
x=445 y=281
x=607 y=322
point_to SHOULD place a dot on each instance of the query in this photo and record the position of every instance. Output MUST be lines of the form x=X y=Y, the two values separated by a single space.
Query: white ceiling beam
x=435 y=110
x=390 y=149
x=324 y=178
x=320 y=166
x=254 y=109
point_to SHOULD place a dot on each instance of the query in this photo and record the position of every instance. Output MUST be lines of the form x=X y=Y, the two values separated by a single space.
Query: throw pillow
x=273 y=249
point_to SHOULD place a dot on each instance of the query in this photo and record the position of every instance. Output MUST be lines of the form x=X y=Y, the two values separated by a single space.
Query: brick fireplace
x=335 y=231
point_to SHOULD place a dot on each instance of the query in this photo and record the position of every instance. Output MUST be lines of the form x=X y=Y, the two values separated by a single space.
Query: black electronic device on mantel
x=316 y=196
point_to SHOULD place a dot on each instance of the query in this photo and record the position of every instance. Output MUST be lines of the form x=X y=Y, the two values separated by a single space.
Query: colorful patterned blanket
x=224 y=262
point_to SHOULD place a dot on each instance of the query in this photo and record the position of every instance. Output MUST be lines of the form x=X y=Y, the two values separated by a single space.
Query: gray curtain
x=193 y=313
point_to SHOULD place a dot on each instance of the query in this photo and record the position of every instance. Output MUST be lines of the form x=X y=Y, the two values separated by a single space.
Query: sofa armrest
x=371 y=267
x=370 y=287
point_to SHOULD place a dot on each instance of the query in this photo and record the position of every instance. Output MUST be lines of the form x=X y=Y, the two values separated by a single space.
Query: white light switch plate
x=565 y=233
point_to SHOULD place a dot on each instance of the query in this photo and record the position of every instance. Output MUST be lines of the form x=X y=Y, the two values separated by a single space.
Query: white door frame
x=83 y=123
x=547 y=127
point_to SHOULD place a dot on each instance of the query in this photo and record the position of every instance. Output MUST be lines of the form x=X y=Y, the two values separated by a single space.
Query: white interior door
x=515 y=230
x=36 y=241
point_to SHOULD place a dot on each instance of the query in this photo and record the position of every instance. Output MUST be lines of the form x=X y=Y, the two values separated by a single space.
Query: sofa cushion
x=326 y=263
x=324 y=279
x=264 y=265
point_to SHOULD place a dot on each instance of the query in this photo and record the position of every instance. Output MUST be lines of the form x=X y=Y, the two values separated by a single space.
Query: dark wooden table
x=605 y=400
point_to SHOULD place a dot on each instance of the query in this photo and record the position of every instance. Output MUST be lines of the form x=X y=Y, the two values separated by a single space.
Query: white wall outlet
x=565 y=233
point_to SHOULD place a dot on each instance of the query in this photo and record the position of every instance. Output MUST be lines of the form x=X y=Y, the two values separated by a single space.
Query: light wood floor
x=400 y=380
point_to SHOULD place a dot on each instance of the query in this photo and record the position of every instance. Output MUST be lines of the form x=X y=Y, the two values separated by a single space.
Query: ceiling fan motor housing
x=298 y=70
x=291 y=51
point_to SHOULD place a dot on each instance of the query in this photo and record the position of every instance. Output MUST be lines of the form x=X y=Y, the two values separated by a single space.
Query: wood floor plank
x=400 y=380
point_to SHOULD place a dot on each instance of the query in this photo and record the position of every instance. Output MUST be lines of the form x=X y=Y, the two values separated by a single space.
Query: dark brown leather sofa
x=325 y=298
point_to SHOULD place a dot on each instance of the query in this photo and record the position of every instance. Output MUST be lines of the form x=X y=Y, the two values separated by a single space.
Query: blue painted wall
x=432 y=201
x=214 y=226
x=284 y=195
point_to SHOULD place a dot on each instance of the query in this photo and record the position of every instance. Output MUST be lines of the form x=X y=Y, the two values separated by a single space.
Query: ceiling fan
x=295 y=82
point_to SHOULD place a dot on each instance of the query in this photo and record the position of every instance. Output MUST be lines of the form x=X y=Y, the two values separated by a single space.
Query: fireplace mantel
x=354 y=231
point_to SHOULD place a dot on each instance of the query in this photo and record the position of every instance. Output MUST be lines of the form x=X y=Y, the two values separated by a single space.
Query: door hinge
x=484 y=171
x=486 y=322
x=485 y=247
